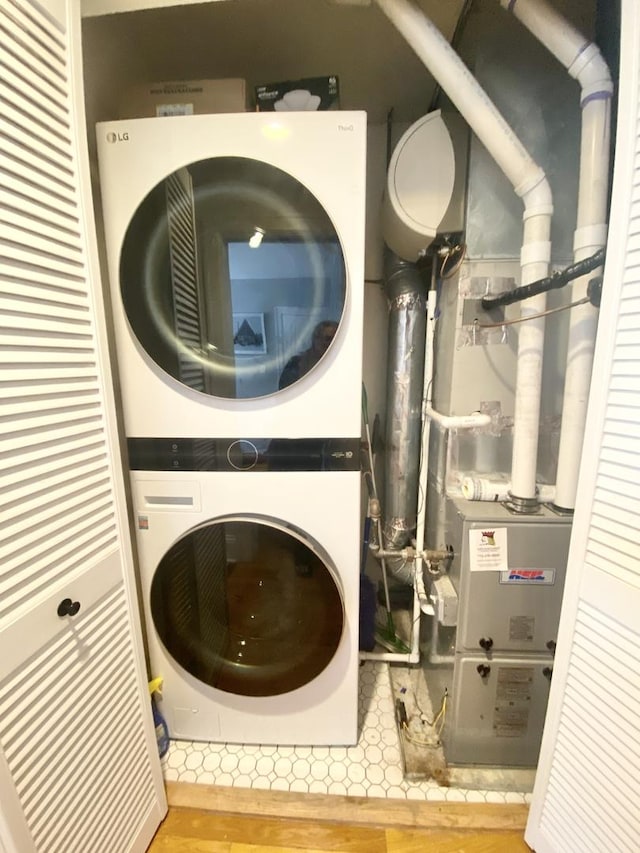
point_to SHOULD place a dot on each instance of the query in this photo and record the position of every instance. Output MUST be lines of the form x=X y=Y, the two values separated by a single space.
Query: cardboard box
x=310 y=93
x=185 y=97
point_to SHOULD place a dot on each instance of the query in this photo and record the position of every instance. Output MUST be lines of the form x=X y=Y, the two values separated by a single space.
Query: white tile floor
x=372 y=768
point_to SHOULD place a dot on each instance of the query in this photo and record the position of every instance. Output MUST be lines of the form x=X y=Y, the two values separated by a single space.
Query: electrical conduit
x=584 y=63
x=530 y=183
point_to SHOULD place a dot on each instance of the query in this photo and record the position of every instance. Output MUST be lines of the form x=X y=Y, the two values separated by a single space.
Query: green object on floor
x=386 y=636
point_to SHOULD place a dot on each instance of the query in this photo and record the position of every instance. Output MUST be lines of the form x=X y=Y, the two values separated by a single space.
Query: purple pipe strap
x=595 y=96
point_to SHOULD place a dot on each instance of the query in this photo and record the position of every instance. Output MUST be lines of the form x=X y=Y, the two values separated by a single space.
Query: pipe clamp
x=533 y=253
x=591 y=237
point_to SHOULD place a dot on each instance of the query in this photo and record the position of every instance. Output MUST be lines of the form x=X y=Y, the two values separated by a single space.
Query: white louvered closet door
x=587 y=793
x=79 y=769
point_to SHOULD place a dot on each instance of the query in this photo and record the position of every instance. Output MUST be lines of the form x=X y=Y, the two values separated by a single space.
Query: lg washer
x=250 y=580
x=235 y=247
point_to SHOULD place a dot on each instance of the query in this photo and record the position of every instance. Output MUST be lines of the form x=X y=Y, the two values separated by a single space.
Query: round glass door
x=247 y=607
x=233 y=278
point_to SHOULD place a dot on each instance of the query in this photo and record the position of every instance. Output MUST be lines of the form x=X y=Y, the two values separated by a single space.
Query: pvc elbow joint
x=592 y=73
x=536 y=195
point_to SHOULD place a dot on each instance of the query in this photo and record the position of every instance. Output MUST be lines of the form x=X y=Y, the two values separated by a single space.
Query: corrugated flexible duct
x=407 y=298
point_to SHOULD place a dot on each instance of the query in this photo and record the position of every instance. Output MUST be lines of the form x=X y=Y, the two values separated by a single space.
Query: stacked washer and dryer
x=235 y=248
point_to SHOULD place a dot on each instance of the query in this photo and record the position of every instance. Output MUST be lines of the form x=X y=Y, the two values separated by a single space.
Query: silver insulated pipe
x=407 y=299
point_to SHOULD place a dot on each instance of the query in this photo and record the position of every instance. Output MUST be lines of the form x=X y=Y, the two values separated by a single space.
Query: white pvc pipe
x=529 y=182
x=423 y=473
x=585 y=64
x=475 y=419
x=536 y=252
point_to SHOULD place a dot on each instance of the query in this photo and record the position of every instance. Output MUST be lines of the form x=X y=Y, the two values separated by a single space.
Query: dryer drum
x=247 y=607
x=211 y=254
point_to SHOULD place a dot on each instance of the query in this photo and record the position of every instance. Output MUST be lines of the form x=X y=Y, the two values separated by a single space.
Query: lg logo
x=117 y=137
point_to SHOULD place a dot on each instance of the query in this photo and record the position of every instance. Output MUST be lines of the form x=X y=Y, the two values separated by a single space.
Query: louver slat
x=47 y=486
x=18 y=205
x=50 y=403
x=29 y=187
x=615 y=429
x=619 y=475
x=629 y=352
x=46 y=313
x=44 y=87
x=38 y=322
x=54 y=182
x=32 y=64
x=40 y=257
x=26 y=141
x=42 y=31
x=87 y=480
x=52 y=239
x=40 y=285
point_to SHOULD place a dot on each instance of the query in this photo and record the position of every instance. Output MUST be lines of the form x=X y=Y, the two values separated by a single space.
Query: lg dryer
x=230 y=238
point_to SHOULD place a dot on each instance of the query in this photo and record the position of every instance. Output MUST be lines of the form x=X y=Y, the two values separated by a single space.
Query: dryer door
x=214 y=255
x=248 y=607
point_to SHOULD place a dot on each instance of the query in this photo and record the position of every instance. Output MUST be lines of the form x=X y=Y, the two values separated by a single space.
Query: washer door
x=233 y=278
x=247 y=607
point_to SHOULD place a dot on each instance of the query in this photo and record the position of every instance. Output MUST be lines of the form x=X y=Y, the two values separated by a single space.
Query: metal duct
x=407 y=298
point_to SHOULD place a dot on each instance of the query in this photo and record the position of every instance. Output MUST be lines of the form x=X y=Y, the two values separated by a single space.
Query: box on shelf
x=185 y=97
x=310 y=93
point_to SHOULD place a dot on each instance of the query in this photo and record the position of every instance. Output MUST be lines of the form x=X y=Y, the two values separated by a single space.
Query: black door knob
x=483 y=669
x=68 y=608
x=551 y=645
x=547 y=672
x=486 y=643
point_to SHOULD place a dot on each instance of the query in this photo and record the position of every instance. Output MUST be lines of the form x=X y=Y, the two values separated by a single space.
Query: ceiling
x=265 y=41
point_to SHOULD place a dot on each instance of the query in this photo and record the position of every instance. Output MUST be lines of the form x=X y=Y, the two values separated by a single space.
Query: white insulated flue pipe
x=584 y=63
x=530 y=183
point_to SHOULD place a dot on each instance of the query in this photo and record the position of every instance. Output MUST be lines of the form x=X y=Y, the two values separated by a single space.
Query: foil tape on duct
x=407 y=298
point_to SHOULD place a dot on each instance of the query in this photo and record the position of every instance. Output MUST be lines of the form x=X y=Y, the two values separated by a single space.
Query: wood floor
x=352 y=826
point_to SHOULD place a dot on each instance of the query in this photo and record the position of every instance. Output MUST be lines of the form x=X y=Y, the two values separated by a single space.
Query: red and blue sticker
x=529 y=576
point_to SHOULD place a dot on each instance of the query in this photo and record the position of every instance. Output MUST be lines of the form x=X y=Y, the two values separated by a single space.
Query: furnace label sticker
x=522 y=628
x=488 y=549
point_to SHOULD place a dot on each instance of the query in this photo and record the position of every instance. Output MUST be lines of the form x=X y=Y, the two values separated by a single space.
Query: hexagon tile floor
x=372 y=768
